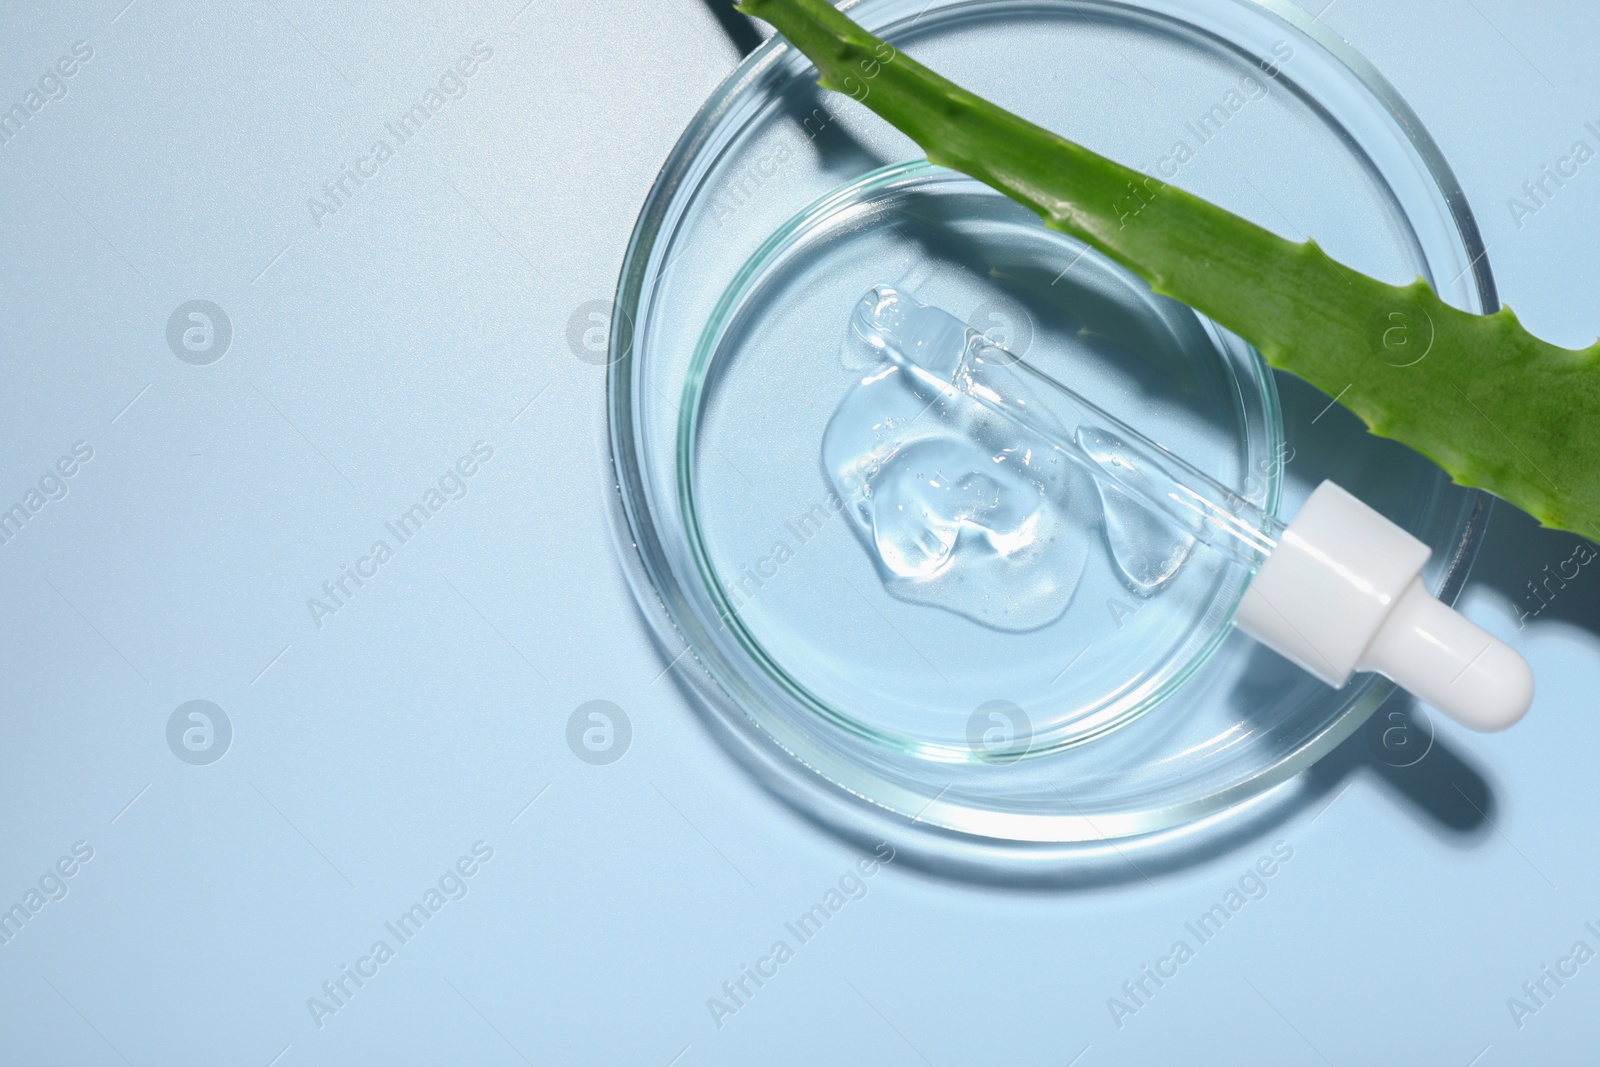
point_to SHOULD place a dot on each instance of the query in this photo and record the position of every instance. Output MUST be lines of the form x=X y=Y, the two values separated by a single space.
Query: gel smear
x=962 y=509
x=1145 y=547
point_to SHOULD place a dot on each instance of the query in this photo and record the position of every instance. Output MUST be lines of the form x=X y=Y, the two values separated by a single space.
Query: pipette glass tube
x=942 y=352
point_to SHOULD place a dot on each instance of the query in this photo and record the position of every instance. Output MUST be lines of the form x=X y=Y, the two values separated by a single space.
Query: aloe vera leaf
x=1496 y=407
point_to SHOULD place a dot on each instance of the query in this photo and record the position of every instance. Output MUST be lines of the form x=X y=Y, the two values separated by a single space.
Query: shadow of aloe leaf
x=1545 y=575
x=740 y=31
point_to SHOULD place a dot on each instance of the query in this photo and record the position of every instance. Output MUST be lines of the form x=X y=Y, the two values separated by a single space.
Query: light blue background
x=431 y=312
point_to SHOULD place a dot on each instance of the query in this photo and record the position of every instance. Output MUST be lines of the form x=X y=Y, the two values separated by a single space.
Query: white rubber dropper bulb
x=1341 y=593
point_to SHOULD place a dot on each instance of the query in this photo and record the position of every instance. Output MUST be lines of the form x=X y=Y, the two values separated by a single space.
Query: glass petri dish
x=780 y=202
x=797 y=586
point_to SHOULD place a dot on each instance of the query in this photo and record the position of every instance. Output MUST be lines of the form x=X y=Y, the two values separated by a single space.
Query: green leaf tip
x=1496 y=407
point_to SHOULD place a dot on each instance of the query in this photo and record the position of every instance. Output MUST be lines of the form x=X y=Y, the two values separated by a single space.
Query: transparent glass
x=1319 y=146
x=792 y=587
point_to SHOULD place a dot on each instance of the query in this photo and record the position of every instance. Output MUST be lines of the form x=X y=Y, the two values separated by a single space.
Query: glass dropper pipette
x=1337 y=591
